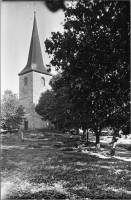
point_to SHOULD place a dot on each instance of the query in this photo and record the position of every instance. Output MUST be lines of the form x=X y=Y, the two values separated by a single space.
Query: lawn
x=41 y=168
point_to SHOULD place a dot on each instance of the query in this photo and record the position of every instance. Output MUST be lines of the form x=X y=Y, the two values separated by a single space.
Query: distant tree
x=11 y=111
x=54 y=107
x=93 y=54
x=46 y=106
x=75 y=118
x=62 y=101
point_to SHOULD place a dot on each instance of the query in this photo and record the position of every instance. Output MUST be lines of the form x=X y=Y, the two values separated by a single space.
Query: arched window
x=25 y=81
x=42 y=81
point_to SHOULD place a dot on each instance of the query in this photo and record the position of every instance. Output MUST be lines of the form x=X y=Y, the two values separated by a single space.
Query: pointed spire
x=35 y=60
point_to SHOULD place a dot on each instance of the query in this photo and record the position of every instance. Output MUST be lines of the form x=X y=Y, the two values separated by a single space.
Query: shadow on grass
x=55 y=174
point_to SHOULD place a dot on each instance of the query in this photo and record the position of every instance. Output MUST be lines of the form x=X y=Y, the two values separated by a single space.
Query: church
x=33 y=80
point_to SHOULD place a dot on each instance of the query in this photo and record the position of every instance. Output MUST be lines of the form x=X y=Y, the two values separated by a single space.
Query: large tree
x=11 y=111
x=93 y=54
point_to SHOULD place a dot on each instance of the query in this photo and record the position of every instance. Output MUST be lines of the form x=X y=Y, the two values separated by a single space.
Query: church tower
x=33 y=80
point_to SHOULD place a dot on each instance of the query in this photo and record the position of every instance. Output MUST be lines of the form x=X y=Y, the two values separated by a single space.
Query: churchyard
x=53 y=165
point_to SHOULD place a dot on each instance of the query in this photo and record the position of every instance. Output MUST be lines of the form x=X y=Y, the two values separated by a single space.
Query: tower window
x=42 y=81
x=25 y=81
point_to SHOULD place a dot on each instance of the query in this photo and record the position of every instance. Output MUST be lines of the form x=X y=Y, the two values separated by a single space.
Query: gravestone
x=98 y=146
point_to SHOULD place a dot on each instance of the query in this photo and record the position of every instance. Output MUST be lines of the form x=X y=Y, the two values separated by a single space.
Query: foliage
x=56 y=106
x=46 y=105
x=11 y=111
x=53 y=107
x=55 y=5
x=62 y=97
x=93 y=54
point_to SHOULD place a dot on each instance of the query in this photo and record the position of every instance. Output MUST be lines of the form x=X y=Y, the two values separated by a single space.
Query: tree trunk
x=97 y=133
x=83 y=135
x=84 y=128
x=87 y=137
x=9 y=129
x=97 y=137
x=84 y=131
x=77 y=131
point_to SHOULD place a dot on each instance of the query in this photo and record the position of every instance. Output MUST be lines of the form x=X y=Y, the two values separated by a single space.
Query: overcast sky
x=16 y=30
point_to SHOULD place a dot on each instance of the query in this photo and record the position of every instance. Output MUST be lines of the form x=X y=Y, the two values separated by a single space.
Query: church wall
x=38 y=87
x=26 y=97
x=29 y=95
x=38 y=122
x=26 y=91
x=34 y=121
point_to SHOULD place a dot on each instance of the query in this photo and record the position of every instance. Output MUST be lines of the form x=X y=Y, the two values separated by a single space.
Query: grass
x=40 y=170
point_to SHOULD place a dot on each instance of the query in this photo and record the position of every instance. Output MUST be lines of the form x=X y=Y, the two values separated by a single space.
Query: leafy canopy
x=93 y=55
x=12 y=112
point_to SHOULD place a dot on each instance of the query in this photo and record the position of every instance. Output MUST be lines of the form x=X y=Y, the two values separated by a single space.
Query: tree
x=75 y=118
x=46 y=106
x=11 y=111
x=53 y=107
x=55 y=5
x=93 y=54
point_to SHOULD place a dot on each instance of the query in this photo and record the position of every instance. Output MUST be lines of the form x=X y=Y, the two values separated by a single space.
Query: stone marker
x=98 y=146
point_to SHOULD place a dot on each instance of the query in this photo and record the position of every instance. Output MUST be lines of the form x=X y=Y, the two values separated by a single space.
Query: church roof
x=35 y=60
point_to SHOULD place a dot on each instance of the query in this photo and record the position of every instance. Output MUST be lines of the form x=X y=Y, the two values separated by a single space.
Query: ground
x=48 y=165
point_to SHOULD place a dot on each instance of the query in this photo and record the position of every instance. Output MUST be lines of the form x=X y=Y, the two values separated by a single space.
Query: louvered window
x=25 y=81
x=42 y=81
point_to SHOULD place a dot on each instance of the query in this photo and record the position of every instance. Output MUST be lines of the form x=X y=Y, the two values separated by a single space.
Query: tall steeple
x=35 y=60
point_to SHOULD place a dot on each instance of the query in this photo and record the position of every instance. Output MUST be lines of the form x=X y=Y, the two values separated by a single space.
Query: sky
x=16 y=30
